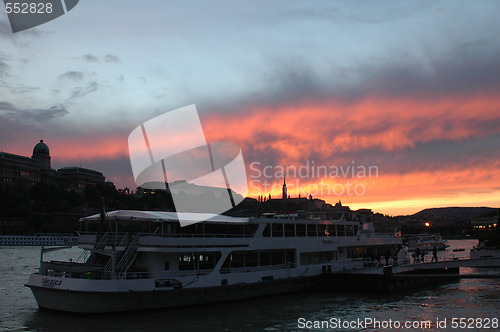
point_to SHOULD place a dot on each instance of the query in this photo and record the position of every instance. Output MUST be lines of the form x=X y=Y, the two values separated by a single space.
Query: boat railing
x=205 y=235
x=226 y=270
x=378 y=235
x=84 y=256
x=115 y=239
x=410 y=262
x=126 y=275
x=162 y=274
x=128 y=255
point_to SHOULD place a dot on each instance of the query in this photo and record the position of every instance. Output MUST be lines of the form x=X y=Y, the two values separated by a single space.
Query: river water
x=475 y=301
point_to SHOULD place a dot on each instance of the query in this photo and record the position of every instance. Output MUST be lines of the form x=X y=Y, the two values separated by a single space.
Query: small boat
x=487 y=231
x=425 y=242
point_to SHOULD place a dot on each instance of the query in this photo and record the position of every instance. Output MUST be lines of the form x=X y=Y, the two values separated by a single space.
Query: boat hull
x=103 y=302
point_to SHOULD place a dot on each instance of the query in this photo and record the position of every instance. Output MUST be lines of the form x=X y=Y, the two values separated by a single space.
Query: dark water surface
x=476 y=300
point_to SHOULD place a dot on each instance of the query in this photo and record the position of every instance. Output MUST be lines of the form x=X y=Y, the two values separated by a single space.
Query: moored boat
x=425 y=242
x=148 y=261
x=487 y=231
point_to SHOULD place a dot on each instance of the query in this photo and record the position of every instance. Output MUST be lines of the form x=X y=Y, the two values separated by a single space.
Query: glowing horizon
x=411 y=89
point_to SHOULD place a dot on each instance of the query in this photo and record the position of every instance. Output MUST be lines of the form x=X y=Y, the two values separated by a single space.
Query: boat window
x=314 y=258
x=186 y=262
x=209 y=260
x=190 y=229
x=290 y=257
x=307 y=258
x=200 y=260
x=301 y=229
x=330 y=229
x=255 y=258
x=265 y=258
x=277 y=230
x=289 y=230
x=340 y=230
x=267 y=230
x=167 y=265
x=251 y=258
x=311 y=230
x=349 y=230
x=335 y=216
x=216 y=230
x=237 y=259
x=277 y=257
x=322 y=230
x=250 y=229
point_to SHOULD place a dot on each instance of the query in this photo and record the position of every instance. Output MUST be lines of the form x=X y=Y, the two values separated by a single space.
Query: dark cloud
x=5 y=30
x=364 y=12
x=293 y=80
x=3 y=69
x=285 y=81
x=80 y=92
x=436 y=155
x=4 y=66
x=50 y=113
x=468 y=68
x=72 y=75
x=6 y=107
x=111 y=58
x=22 y=89
x=20 y=39
x=9 y=111
x=445 y=79
x=90 y=58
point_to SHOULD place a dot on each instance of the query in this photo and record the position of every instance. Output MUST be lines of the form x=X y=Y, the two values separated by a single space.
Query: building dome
x=41 y=148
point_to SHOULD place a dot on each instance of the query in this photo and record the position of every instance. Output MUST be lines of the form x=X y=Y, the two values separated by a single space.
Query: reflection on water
x=465 y=298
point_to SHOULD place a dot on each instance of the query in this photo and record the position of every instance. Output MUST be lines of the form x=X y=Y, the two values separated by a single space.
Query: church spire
x=283 y=191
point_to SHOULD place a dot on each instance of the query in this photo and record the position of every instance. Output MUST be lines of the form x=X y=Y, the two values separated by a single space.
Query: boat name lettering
x=327 y=241
x=51 y=283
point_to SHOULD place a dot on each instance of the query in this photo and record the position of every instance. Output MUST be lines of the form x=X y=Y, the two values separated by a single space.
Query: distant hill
x=453 y=214
x=449 y=221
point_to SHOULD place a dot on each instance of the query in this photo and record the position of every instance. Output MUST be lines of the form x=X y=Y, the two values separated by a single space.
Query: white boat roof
x=160 y=216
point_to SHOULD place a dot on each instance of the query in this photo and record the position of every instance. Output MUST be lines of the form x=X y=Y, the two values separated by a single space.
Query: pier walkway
x=391 y=279
x=443 y=264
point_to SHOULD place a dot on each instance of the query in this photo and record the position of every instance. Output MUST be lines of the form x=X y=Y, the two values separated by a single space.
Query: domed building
x=16 y=169
x=41 y=154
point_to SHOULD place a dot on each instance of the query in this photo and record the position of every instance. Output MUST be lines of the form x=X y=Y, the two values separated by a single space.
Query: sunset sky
x=411 y=88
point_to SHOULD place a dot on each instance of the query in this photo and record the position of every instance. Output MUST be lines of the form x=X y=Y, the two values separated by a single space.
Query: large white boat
x=149 y=261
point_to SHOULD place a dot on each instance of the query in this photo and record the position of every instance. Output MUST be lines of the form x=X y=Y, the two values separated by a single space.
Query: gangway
x=444 y=264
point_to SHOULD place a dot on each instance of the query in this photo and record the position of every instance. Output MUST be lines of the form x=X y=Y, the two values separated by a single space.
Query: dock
x=392 y=279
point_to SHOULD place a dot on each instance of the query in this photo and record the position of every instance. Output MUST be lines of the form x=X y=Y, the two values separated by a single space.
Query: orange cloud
x=388 y=131
x=332 y=126
x=67 y=149
x=327 y=131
